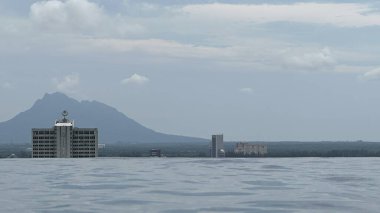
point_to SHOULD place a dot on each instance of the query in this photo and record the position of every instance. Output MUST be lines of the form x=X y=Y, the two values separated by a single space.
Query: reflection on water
x=190 y=185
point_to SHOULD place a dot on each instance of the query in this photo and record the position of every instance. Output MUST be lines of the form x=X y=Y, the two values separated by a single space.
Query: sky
x=252 y=70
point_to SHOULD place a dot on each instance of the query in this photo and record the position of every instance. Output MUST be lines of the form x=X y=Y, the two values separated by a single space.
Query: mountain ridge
x=113 y=125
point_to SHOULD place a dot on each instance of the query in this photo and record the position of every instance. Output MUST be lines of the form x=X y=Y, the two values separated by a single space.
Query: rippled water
x=190 y=185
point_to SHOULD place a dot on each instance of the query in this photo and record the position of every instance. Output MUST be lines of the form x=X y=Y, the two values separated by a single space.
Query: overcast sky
x=284 y=70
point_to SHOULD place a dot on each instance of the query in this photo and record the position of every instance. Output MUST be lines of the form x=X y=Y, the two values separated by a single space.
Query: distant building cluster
x=65 y=141
x=241 y=149
x=155 y=153
x=250 y=149
x=217 y=146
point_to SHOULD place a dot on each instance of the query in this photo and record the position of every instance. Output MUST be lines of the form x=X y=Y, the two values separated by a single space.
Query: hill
x=113 y=125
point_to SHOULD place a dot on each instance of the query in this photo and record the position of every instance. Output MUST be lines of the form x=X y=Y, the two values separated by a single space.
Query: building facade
x=217 y=146
x=64 y=141
x=250 y=149
x=155 y=153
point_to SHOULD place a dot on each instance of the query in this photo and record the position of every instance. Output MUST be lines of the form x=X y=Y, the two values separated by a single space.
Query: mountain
x=113 y=125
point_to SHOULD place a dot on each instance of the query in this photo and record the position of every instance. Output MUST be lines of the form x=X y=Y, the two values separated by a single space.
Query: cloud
x=338 y=14
x=86 y=28
x=67 y=15
x=80 y=17
x=260 y=54
x=352 y=68
x=136 y=79
x=6 y=85
x=246 y=90
x=158 y=47
x=372 y=75
x=68 y=83
x=312 y=60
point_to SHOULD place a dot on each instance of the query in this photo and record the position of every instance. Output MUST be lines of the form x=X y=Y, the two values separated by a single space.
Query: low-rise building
x=250 y=149
x=155 y=153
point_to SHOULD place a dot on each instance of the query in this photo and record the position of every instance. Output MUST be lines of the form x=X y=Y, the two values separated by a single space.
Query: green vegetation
x=143 y=149
x=275 y=149
x=20 y=150
x=323 y=149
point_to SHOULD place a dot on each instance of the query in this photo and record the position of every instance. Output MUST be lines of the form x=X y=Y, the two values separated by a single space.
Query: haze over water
x=190 y=185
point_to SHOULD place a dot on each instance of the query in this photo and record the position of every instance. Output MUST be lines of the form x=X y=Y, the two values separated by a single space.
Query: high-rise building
x=217 y=146
x=64 y=141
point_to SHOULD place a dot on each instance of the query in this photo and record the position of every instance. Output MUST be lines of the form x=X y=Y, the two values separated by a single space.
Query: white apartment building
x=64 y=141
x=250 y=149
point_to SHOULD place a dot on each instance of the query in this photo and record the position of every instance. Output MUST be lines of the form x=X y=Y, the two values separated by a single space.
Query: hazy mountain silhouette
x=113 y=125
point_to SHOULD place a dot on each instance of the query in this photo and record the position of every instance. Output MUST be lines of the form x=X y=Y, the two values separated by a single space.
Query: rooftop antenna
x=65 y=114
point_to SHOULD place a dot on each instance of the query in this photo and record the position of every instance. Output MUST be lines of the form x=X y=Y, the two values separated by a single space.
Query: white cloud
x=311 y=60
x=136 y=79
x=67 y=15
x=246 y=90
x=372 y=75
x=80 y=17
x=6 y=85
x=339 y=14
x=68 y=83
x=260 y=54
x=157 y=47
x=83 y=27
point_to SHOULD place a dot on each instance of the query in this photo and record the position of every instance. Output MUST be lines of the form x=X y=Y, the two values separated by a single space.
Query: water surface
x=190 y=185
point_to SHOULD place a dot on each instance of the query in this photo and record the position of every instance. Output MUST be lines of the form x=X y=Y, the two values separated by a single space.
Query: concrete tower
x=63 y=129
x=217 y=146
